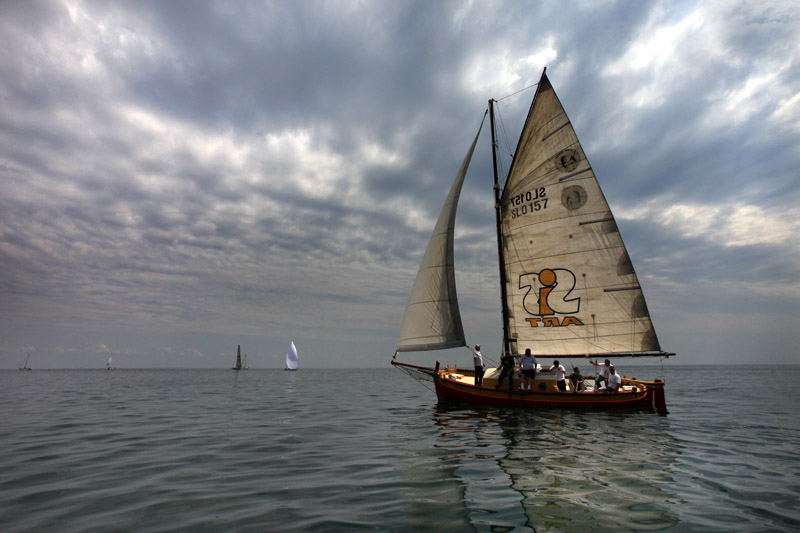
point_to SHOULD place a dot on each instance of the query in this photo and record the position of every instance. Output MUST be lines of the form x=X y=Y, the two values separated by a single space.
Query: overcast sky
x=177 y=178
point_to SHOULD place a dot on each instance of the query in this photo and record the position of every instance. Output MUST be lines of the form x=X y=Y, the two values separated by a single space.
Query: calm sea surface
x=330 y=450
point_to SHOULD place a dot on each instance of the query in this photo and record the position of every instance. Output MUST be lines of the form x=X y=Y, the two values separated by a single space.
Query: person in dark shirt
x=506 y=370
x=576 y=381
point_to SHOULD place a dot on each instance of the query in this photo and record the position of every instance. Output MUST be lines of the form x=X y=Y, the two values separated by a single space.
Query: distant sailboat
x=25 y=366
x=239 y=365
x=108 y=365
x=568 y=288
x=291 y=357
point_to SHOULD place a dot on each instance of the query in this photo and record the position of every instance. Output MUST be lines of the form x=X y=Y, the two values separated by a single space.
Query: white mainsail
x=432 y=320
x=570 y=285
x=291 y=357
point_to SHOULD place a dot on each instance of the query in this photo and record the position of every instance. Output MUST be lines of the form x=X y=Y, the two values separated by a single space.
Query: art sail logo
x=548 y=298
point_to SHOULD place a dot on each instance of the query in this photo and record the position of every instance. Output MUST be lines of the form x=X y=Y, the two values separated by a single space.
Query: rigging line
x=431 y=389
x=485 y=358
x=415 y=378
x=512 y=94
x=490 y=359
x=420 y=381
x=504 y=151
x=504 y=131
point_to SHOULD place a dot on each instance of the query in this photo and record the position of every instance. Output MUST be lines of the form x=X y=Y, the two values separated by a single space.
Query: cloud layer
x=180 y=177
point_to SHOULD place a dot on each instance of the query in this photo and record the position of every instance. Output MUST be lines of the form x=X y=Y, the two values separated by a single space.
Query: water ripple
x=372 y=450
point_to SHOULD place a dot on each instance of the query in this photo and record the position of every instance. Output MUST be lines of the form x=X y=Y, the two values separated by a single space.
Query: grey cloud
x=106 y=228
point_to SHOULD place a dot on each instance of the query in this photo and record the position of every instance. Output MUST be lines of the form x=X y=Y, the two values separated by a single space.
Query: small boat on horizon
x=292 y=359
x=25 y=366
x=239 y=365
x=568 y=287
x=108 y=365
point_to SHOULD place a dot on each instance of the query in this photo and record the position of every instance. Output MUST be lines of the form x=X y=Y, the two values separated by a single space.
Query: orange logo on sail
x=548 y=293
x=548 y=279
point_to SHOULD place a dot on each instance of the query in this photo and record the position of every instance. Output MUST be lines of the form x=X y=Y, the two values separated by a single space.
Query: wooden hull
x=636 y=394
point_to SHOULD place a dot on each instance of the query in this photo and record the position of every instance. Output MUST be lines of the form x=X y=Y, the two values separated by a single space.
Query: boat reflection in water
x=551 y=470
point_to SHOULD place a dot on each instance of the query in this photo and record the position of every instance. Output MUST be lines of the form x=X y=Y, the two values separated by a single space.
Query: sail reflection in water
x=560 y=471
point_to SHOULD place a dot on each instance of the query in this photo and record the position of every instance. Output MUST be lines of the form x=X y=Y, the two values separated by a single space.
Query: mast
x=498 y=219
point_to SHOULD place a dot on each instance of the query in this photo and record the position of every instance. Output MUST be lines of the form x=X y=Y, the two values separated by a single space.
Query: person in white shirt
x=614 y=381
x=527 y=363
x=560 y=372
x=477 y=359
x=601 y=370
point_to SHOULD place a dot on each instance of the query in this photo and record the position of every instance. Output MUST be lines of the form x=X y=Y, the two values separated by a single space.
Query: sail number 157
x=528 y=202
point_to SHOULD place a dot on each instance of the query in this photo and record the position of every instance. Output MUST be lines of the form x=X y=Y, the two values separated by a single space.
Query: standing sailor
x=477 y=359
x=602 y=371
x=527 y=362
x=560 y=371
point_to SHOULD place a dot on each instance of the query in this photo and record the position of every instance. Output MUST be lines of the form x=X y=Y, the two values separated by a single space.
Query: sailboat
x=239 y=365
x=108 y=365
x=25 y=366
x=291 y=357
x=568 y=288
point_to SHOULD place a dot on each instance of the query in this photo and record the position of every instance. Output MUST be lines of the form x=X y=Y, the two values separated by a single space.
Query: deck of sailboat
x=544 y=382
x=459 y=385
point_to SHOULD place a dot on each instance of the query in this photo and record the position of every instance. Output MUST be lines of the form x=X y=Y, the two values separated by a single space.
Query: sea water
x=333 y=450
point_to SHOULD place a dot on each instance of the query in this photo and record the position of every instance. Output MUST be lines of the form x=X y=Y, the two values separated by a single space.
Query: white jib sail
x=571 y=287
x=432 y=320
x=291 y=357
